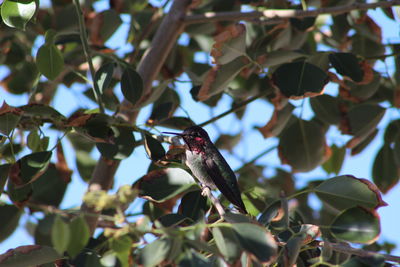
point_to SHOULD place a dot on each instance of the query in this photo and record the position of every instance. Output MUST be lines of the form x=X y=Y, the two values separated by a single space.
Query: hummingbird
x=209 y=166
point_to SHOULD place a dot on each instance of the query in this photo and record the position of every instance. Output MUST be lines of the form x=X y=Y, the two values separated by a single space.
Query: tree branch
x=277 y=16
x=359 y=252
x=153 y=59
x=149 y=66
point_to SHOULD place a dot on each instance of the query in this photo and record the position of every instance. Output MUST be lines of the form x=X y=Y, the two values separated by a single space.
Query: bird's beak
x=178 y=134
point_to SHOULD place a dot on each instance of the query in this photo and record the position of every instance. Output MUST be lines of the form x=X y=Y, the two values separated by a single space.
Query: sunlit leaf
x=346 y=191
x=103 y=76
x=356 y=225
x=17 y=14
x=153 y=147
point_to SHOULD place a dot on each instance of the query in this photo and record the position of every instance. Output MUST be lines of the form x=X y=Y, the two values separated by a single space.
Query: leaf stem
x=86 y=50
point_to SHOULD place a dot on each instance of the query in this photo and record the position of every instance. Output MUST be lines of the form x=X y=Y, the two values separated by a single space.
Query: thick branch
x=154 y=57
x=277 y=16
x=149 y=67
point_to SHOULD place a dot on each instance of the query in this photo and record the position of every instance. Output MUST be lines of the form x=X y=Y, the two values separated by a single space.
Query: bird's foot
x=205 y=190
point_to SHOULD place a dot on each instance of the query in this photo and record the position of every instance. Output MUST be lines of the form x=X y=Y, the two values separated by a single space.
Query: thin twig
x=234 y=109
x=86 y=51
x=359 y=252
x=277 y=16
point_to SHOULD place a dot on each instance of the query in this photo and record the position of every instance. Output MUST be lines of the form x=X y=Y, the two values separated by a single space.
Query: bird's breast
x=195 y=162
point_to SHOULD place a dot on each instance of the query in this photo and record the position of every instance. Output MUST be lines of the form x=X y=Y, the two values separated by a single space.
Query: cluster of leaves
x=274 y=63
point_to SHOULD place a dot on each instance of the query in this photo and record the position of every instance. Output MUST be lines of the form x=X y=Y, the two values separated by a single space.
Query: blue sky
x=257 y=114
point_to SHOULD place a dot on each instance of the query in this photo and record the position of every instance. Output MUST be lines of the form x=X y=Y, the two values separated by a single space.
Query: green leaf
x=305 y=79
x=85 y=164
x=110 y=24
x=357 y=225
x=326 y=109
x=343 y=192
x=121 y=243
x=347 y=64
x=173 y=219
x=4 y=170
x=9 y=118
x=256 y=240
x=79 y=237
x=164 y=184
x=292 y=249
x=274 y=210
x=49 y=61
x=16 y=14
x=153 y=147
x=154 y=253
x=177 y=123
x=123 y=145
x=335 y=162
x=9 y=217
x=227 y=141
x=131 y=85
x=29 y=255
x=302 y=145
x=278 y=121
x=362 y=92
x=193 y=205
x=43 y=229
x=50 y=187
x=385 y=170
x=164 y=107
x=278 y=57
x=33 y=140
x=227 y=243
x=193 y=258
x=29 y=168
x=103 y=76
x=60 y=235
x=362 y=120
x=18 y=194
x=44 y=113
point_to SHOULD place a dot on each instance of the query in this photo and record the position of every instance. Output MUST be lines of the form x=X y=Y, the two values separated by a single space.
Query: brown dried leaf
x=5 y=109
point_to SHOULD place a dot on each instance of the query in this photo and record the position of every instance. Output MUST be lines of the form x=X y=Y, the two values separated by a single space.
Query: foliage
x=274 y=61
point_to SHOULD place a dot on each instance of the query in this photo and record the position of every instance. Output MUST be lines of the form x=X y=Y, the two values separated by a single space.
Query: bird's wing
x=227 y=187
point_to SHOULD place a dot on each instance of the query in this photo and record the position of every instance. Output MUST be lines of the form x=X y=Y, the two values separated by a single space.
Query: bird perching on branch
x=209 y=166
